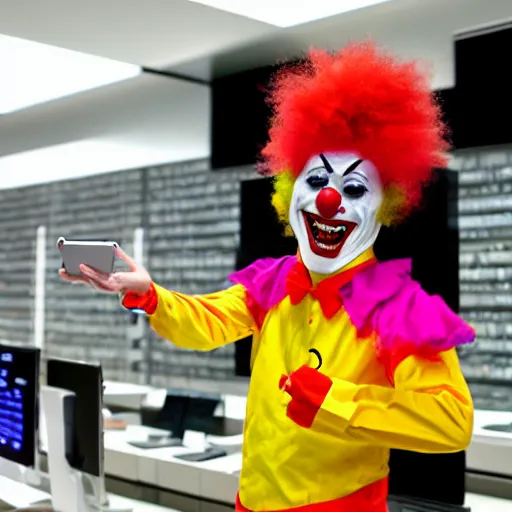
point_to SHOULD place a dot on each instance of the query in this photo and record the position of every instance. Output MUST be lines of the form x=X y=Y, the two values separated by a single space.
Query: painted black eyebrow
x=352 y=167
x=326 y=163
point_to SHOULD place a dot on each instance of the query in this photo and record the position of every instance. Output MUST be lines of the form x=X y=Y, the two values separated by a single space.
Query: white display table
x=491 y=451
x=125 y=395
x=479 y=503
x=214 y=480
x=217 y=480
x=159 y=467
x=17 y=495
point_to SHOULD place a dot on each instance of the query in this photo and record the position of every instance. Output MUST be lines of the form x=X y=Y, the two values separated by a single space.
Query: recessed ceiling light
x=35 y=73
x=288 y=13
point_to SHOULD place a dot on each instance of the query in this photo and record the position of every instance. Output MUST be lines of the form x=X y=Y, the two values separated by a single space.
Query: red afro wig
x=360 y=99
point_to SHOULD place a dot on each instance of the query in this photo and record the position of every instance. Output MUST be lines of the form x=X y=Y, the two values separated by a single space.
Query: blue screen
x=18 y=384
x=12 y=390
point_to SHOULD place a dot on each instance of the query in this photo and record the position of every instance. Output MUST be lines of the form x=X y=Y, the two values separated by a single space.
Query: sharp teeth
x=328 y=247
x=329 y=229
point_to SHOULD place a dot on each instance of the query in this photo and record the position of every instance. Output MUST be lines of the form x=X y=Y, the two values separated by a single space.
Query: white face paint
x=333 y=212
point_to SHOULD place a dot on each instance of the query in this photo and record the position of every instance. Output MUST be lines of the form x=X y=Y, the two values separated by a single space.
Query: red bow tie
x=327 y=292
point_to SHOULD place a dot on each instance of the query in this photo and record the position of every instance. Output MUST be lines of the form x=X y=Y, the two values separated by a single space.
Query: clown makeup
x=333 y=211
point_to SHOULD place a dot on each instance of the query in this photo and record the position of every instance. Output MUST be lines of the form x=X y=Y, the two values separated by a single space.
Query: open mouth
x=326 y=237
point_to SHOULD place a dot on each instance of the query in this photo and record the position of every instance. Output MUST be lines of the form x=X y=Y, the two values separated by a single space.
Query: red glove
x=148 y=302
x=308 y=389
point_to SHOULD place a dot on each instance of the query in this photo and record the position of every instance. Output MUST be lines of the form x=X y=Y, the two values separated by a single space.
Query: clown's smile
x=327 y=236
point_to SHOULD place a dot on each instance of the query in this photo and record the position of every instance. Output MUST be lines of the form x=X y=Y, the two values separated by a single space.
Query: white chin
x=352 y=248
x=320 y=264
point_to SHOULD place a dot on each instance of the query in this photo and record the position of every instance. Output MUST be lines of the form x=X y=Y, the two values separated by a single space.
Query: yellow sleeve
x=430 y=409
x=202 y=322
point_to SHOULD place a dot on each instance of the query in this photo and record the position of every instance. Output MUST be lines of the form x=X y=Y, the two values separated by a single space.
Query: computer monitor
x=19 y=391
x=200 y=413
x=172 y=415
x=182 y=410
x=85 y=380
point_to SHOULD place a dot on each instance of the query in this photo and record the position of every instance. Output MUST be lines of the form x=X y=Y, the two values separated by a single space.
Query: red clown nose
x=328 y=202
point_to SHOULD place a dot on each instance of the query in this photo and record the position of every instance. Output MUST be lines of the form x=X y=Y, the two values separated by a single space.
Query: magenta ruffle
x=381 y=298
x=265 y=280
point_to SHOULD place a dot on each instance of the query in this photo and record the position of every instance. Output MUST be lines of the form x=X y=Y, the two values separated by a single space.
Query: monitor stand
x=68 y=493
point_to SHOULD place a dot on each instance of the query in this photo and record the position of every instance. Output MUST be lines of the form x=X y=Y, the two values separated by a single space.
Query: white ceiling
x=154 y=33
x=171 y=118
x=420 y=29
x=179 y=34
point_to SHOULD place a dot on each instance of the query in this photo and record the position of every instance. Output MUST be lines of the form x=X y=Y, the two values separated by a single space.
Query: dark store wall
x=485 y=222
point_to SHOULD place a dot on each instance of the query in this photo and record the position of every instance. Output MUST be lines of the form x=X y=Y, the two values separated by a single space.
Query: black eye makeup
x=318 y=181
x=354 y=190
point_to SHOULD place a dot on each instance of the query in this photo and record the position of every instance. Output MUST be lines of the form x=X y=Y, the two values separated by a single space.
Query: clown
x=350 y=356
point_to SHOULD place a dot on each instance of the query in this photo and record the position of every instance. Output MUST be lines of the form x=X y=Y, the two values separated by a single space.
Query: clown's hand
x=137 y=279
x=308 y=389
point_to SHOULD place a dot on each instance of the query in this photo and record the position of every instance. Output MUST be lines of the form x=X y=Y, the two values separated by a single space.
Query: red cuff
x=308 y=389
x=148 y=301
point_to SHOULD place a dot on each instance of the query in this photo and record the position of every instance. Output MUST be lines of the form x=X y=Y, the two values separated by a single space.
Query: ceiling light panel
x=35 y=73
x=288 y=13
